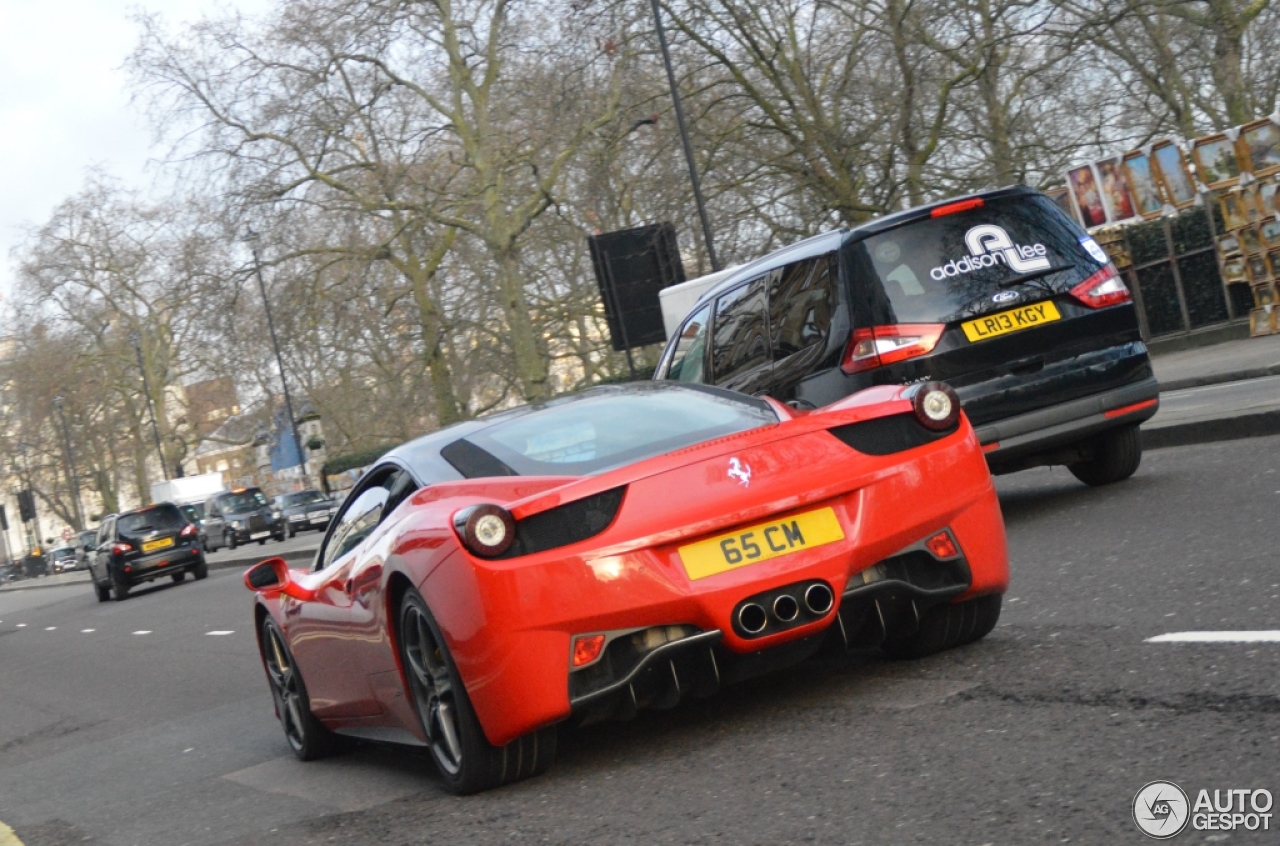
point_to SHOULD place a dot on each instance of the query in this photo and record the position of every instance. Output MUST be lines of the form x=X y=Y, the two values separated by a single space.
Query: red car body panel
x=509 y=623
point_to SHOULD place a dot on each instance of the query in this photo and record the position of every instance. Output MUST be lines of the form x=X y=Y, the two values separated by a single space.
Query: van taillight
x=879 y=345
x=1102 y=289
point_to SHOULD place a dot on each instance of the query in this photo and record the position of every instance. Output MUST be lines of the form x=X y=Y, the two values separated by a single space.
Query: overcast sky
x=64 y=105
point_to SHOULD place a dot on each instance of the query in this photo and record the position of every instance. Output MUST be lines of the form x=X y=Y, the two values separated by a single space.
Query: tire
x=948 y=626
x=179 y=576
x=306 y=735
x=120 y=587
x=103 y=591
x=1116 y=456
x=291 y=531
x=262 y=542
x=230 y=540
x=201 y=570
x=466 y=760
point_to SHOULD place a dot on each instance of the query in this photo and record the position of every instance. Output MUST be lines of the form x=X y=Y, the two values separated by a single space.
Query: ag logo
x=1005 y=297
x=990 y=245
x=740 y=471
x=1161 y=810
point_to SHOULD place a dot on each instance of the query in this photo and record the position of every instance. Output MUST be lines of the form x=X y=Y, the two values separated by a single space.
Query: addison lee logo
x=990 y=245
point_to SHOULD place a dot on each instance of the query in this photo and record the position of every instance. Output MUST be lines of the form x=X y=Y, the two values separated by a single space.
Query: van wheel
x=1116 y=456
x=103 y=591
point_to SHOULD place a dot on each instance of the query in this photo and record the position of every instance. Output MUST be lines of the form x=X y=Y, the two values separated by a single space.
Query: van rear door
x=1002 y=296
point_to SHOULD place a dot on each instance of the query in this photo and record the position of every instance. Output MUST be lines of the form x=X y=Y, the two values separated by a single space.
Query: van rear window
x=943 y=269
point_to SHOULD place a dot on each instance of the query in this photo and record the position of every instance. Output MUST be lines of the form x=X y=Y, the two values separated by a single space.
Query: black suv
x=309 y=509
x=142 y=545
x=239 y=516
x=999 y=294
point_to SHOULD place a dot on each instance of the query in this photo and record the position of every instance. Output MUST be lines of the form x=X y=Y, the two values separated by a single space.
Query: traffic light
x=26 y=505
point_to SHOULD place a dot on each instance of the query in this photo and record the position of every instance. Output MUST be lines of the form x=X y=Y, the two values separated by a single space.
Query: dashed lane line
x=219 y=632
x=1272 y=636
x=143 y=632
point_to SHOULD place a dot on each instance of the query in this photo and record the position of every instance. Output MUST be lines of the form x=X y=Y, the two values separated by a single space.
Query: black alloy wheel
x=307 y=736
x=464 y=756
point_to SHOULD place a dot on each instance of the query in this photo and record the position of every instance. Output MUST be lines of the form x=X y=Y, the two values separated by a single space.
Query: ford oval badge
x=1005 y=297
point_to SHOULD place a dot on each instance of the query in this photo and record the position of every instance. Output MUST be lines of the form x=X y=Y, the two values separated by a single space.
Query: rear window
x=595 y=433
x=162 y=518
x=948 y=268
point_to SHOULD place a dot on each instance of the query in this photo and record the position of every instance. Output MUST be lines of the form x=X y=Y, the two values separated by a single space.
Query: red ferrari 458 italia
x=619 y=549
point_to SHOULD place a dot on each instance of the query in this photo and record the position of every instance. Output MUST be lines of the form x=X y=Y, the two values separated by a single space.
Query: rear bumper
x=1013 y=442
x=160 y=564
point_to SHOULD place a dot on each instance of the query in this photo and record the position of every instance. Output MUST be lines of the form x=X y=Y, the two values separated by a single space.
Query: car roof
x=828 y=242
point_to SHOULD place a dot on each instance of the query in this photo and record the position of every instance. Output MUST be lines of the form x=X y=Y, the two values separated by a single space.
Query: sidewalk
x=1232 y=361
x=1222 y=392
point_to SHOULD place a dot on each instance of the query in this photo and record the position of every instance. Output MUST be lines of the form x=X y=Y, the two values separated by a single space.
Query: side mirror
x=272 y=576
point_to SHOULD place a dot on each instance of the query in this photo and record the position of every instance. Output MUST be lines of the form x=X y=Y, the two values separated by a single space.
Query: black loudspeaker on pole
x=632 y=266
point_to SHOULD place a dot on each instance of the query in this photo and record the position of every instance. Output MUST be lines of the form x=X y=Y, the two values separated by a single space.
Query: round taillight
x=936 y=405
x=486 y=530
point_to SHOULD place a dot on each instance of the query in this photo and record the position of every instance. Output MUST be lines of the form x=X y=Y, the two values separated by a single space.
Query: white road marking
x=219 y=632
x=144 y=631
x=87 y=631
x=1217 y=637
x=50 y=628
x=22 y=625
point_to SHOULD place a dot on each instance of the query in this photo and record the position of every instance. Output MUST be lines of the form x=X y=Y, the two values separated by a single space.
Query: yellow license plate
x=1013 y=320
x=152 y=546
x=760 y=543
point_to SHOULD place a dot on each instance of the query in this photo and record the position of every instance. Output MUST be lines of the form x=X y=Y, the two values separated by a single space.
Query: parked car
x=62 y=559
x=85 y=543
x=236 y=517
x=618 y=549
x=999 y=294
x=143 y=545
x=309 y=509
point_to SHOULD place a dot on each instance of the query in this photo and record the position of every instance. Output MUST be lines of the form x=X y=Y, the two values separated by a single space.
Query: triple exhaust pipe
x=785 y=608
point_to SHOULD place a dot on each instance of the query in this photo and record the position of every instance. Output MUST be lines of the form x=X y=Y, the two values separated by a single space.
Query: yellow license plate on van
x=162 y=543
x=760 y=542
x=1013 y=320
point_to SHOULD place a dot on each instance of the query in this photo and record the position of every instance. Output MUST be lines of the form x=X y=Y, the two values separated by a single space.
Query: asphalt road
x=1042 y=733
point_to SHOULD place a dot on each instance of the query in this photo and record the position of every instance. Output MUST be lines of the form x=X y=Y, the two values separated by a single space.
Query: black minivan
x=999 y=294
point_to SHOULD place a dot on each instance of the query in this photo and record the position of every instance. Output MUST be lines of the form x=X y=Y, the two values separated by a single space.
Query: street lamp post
x=251 y=238
x=684 y=139
x=71 y=463
x=136 y=340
